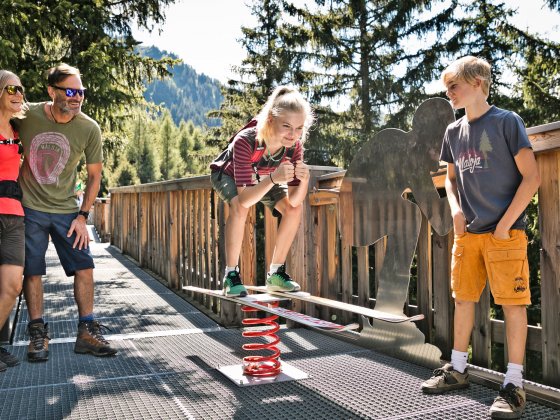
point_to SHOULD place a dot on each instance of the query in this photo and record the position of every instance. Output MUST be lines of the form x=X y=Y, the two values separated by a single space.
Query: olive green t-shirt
x=51 y=155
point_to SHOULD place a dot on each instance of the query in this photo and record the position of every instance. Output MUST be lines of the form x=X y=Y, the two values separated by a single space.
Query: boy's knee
x=464 y=303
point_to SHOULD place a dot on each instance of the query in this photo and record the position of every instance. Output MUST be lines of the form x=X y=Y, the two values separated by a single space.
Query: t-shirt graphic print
x=49 y=155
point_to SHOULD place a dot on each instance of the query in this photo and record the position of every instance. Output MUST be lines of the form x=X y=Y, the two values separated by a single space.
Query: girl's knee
x=237 y=209
x=293 y=211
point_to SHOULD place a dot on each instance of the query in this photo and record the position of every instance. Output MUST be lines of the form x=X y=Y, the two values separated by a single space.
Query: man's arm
x=459 y=221
x=527 y=165
x=90 y=194
x=93 y=185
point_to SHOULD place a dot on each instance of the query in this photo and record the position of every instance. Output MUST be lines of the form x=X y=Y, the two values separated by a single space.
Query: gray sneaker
x=509 y=404
x=8 y=358
x=3 y=366
x=446 y=379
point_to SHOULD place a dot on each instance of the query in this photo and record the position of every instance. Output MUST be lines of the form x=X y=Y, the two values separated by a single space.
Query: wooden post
x=173 y=239
x=549 y=223
x=482 y=333
x=443 y=301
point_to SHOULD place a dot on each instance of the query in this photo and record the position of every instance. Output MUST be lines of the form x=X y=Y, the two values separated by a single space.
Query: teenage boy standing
x=491 y=177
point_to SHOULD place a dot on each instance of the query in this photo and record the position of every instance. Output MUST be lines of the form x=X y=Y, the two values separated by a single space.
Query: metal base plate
x=235 y=374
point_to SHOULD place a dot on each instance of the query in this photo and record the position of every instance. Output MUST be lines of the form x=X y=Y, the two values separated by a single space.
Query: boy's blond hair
x=469 y=69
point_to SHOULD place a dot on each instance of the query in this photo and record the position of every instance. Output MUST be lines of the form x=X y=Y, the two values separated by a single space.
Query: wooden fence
x=173 y=228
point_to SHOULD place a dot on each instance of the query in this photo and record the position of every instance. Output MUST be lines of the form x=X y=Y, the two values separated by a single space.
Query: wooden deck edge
x=538 y=393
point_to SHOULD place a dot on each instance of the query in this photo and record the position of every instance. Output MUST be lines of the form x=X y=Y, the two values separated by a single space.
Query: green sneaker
x=281 y=282
x=233 y=286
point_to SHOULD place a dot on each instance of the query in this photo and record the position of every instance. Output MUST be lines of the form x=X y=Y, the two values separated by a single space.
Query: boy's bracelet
x=271 y=180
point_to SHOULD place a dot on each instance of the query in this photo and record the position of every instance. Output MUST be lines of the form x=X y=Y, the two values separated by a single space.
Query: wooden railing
x=173 y=228
x=102 y=218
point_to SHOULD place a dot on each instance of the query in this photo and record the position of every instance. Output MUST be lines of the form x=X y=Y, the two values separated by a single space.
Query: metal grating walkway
x=168 y=354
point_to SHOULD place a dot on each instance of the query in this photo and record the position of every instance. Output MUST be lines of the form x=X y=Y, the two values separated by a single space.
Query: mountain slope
x=188 y=95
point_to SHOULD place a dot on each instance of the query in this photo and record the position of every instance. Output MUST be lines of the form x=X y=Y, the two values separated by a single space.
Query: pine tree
x=147 y=166
x=270 y=61
x=95 y=36
x=484 y=29
x=170 y=165
x=186 y=141
x=358 y=54
x=126 y=174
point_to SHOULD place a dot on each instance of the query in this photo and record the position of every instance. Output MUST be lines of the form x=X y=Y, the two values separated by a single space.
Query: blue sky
x=205 y=33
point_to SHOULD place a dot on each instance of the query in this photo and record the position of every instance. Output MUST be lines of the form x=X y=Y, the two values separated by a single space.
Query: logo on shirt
x=49 y=154
x=469 y=162
x=485 y=147
x=476 y=159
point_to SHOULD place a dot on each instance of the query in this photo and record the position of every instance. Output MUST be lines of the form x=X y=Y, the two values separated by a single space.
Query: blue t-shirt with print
x=483 y=152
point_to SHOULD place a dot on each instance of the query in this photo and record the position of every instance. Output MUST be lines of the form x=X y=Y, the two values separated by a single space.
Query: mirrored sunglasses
x=71 y=92
x=13 y=89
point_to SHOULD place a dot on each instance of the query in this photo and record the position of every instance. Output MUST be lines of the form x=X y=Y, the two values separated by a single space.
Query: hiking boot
x=8 y=358
x=446 y=379
x=38 y=350
x=233 y=286
x=509 y=404
x=90 y=340
x=281 y=281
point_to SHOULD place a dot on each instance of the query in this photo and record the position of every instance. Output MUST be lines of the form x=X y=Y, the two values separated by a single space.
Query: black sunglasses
x=71 y=92
x=13 y=89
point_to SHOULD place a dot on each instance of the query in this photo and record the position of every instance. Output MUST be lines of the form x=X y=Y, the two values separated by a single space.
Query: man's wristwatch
x=83 y=213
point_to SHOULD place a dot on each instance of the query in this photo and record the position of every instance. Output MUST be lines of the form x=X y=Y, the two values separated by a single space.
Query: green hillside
x=188 y=95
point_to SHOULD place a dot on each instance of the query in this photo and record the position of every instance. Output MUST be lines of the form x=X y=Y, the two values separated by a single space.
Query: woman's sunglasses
x=13 y=89
x=71 y=92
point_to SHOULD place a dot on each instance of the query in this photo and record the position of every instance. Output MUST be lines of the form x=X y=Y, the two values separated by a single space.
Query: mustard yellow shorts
x=477 y=256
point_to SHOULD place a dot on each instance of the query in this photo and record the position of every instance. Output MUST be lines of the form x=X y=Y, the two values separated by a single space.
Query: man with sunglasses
x=55 y=135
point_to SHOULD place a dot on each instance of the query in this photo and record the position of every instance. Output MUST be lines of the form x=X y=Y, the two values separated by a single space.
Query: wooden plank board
x=371 y=313
x=254 y=301
x=549 y=225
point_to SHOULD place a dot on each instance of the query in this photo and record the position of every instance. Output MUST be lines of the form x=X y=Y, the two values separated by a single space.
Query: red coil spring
x=262 y=366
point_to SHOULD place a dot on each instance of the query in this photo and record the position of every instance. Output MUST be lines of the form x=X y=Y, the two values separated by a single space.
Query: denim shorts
x=227 y=190
x=38 y=226
x=12 y=239
x=476 y=257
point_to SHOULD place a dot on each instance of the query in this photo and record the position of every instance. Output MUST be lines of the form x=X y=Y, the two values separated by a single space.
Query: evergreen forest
x=364 y=65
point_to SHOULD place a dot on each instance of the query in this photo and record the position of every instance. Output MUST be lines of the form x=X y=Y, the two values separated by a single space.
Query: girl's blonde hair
x=283 y=99
x=5 y=76
x=470 y=69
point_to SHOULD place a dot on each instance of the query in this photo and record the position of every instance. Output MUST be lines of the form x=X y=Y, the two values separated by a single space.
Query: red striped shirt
x=247 y=155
